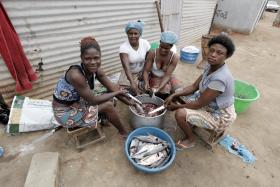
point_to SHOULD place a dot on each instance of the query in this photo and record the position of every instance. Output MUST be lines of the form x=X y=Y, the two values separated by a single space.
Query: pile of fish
x=145 y=108
x=149 y=151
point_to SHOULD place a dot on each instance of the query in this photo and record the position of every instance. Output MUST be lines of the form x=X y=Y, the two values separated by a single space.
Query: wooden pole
x=212 y=19
x=159 y=16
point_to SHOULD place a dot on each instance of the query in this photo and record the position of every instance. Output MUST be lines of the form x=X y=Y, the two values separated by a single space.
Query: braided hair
x=87 y=43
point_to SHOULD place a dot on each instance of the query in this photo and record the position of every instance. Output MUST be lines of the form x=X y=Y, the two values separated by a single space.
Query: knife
x=134 y=98
x=157 y=109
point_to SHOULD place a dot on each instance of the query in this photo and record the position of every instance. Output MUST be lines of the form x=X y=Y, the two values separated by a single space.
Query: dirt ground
x=256 y=61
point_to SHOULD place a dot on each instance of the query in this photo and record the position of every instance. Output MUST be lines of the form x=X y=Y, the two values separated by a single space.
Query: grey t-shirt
x=221 y=80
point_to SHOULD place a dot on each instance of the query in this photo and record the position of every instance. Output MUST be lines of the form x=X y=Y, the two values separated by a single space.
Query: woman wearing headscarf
x=209 y=101
x=74 y=102
x=160 y=65
x=132 y=54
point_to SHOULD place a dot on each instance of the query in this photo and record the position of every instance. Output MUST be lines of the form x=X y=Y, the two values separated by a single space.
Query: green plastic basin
x=154 y=45
x=244 y=95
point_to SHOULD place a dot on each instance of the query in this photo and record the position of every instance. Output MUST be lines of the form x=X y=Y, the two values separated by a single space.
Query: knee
x=109 y=107
x=180 y=114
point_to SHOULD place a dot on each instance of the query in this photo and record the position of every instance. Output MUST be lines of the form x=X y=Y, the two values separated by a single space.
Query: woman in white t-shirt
x=133 y=53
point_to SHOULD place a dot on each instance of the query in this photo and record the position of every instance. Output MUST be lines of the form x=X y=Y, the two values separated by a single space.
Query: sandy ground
x=256 y=61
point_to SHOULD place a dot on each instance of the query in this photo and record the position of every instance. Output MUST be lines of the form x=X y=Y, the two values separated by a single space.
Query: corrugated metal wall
x=196 y=20
x=50 y=32
x=171 y=11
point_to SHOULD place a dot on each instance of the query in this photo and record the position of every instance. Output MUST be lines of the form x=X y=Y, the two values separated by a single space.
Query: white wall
x=238 y=15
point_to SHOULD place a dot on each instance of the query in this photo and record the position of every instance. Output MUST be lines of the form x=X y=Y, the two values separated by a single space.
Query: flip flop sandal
x=181 y=147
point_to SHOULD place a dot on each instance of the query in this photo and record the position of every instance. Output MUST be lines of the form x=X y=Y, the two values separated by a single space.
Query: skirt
x=124 y=82
x=217 y=120
x=169 y=88
x=79 y=114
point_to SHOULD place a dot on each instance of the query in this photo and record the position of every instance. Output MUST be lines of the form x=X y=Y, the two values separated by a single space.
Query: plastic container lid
x=190 y=49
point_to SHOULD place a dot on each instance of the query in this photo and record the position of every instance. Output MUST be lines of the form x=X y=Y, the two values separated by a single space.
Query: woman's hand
x=146 y=86
x=122 y=93
x=168 y=100
x=172 y=106
x=135 y=89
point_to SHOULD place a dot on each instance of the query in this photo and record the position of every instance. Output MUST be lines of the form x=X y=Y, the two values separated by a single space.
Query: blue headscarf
x=168 y=37
x=138 y=25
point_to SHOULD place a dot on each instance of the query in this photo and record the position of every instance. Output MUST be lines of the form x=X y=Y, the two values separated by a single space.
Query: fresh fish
x=157 y=148
x=149 y=160
x=133 y=146
x=149 y=150
x=167 y=158
x=160 y=162
x=141 y=152
x=151 y=139
x=142 y=144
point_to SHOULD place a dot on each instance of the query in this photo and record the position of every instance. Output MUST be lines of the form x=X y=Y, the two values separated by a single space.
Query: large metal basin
x=137 y=120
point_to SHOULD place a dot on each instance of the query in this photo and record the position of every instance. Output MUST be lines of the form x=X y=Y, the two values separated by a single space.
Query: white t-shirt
x=136 y=58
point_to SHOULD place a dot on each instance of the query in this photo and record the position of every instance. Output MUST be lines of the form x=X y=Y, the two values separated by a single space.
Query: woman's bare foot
x=123 y=134
x=185 y=144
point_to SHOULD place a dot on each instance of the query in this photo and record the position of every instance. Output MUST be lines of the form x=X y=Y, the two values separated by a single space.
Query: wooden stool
x=210 y=137
x=85 y=136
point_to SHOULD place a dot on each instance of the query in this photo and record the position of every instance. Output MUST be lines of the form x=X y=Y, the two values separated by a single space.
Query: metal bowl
x=137 y=120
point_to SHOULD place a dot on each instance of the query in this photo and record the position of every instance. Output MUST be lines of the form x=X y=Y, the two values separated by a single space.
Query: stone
x=43 y=170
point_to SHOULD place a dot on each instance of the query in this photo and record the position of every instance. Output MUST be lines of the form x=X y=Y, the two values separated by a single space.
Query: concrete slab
x=43 y=170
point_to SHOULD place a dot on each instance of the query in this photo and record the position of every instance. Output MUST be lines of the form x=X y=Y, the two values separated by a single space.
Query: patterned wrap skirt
x=206 y=117
x=124 y=82
x=78 y=114
x=172 y=85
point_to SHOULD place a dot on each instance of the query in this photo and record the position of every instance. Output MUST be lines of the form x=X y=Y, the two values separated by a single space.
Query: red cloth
x=13 y=54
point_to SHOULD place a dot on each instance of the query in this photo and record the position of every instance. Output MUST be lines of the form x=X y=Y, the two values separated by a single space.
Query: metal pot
x=137 y=120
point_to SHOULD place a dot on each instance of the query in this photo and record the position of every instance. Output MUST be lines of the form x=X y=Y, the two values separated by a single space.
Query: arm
x=75 y=77
x=147 y=68
x=186 y=91
x=189 y=89
x=205 y=98
x=125 y=63
x=171 y=67
x=103 y=79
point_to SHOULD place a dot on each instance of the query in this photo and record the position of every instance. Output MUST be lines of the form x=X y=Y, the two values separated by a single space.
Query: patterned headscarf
x=138 y=25
x=168 y=37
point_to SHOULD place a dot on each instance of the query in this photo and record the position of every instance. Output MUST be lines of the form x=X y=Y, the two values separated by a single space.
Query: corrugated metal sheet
x=196 y=20
x=171 y=12
x=50 y=32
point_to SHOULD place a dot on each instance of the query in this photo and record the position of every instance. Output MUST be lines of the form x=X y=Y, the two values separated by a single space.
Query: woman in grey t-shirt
x=209 y=100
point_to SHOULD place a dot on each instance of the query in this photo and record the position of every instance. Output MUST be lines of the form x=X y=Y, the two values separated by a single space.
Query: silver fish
x=157 y=148
x=147 y=161
x=161 y=161
x=133 y=146
x=141 y=152
x=151 y=139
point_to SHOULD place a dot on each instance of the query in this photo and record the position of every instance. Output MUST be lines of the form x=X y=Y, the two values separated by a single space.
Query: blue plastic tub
x=189 y=54
x=156 y=132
